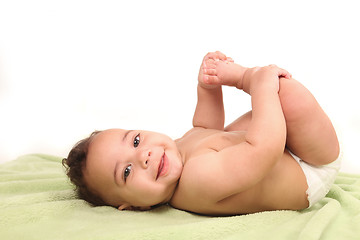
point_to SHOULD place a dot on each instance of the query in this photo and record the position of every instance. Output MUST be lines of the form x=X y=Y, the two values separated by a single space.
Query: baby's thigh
x=310 y=133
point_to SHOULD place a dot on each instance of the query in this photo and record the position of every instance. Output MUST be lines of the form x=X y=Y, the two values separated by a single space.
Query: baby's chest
x=219 y=141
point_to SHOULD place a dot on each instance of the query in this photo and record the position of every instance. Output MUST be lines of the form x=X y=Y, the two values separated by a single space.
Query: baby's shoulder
x=194 y=186
x=201 y=140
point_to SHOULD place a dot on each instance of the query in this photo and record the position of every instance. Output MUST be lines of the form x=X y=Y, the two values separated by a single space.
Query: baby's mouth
x=161 y=166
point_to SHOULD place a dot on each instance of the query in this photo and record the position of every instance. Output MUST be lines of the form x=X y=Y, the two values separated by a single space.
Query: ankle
x=240 y=84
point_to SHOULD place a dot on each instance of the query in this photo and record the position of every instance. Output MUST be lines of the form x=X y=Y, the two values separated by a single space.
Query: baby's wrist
x=208 y=86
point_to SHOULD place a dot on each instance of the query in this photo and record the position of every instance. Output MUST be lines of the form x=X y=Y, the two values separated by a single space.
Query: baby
x=281 y=155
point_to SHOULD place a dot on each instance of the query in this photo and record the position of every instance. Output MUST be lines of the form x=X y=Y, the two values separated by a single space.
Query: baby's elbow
x=274 y=151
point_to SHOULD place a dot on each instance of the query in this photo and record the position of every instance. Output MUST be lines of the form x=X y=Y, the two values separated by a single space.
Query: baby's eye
x=127 y=172
x=137 y=140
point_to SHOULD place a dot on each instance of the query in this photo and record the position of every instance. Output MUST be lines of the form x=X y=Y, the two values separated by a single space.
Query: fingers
x=209 y=71
x=212 y=80
x=209 y=63
x=212 y=58
x=229 y=59
x=281 y=72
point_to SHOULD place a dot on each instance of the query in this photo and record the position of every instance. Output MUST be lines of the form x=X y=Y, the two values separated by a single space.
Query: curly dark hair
x=74 y=165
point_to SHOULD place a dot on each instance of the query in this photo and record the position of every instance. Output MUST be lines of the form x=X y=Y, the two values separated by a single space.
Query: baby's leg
x=310 y=133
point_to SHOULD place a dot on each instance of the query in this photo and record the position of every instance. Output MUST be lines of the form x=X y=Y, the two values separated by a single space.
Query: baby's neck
x=171 y=195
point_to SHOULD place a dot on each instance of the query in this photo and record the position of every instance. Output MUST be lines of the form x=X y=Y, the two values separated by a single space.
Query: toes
x=209 y=63
x=215 y=55
x=211 y=79
x=220 y=55
x=210 y=55
x=209 y=71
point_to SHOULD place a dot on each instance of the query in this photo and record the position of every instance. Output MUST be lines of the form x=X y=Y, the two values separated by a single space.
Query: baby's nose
x=145 y=158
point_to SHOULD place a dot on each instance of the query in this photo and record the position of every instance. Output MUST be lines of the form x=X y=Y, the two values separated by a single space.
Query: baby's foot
x=223 y=72
x=206 y=63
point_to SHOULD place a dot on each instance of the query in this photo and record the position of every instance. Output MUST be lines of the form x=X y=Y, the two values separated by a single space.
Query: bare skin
x=244 y=167
x=216 y=170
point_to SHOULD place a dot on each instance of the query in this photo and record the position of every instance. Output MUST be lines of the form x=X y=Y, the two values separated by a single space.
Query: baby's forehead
x=112 y=131
x=106 y=136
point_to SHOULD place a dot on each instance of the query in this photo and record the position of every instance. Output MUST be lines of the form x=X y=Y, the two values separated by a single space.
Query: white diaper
x=318 y=178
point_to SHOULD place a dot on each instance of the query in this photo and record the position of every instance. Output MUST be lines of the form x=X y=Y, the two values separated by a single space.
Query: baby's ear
x=125 y=206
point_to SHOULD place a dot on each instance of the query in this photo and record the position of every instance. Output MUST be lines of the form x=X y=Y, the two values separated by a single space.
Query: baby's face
x=133 y=168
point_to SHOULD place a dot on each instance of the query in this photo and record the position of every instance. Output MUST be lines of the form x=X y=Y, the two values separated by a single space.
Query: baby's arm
x=239 y=167
x=209 y=112
x=267 y=127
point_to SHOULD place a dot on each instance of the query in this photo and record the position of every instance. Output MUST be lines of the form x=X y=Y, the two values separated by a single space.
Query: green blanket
x=37 y=202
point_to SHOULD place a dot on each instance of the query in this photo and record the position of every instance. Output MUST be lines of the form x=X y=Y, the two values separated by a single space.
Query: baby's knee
x=296 y=100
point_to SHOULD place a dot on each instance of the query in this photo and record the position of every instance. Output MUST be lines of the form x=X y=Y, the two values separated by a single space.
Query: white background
x=70 y=67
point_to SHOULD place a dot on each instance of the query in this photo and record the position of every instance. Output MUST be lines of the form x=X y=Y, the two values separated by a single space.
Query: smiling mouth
x=161 y=166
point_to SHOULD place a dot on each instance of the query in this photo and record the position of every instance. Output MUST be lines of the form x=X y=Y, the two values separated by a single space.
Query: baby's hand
x=268 y=74
x=280 y=72
x=209 y=63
